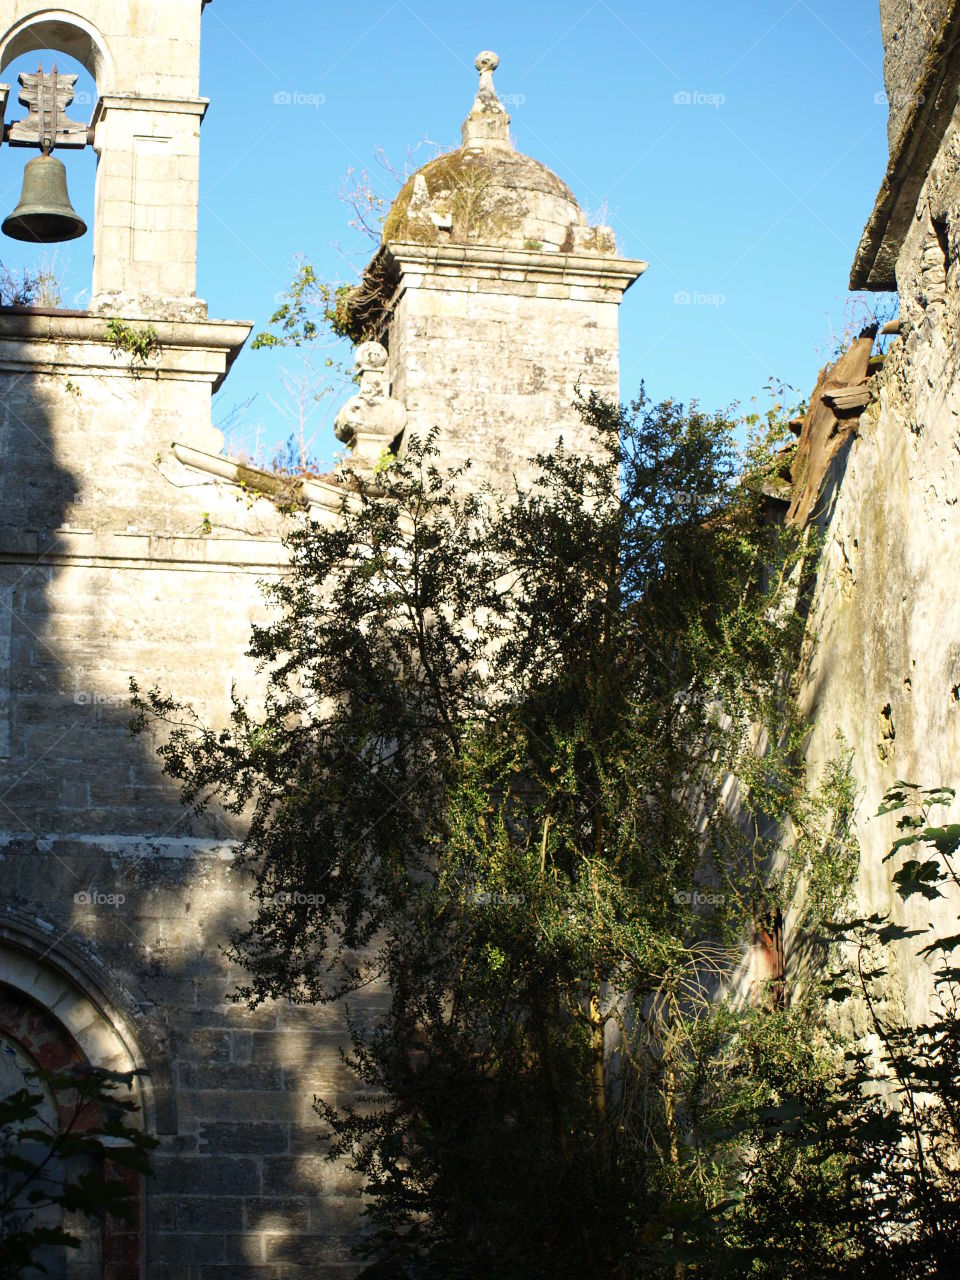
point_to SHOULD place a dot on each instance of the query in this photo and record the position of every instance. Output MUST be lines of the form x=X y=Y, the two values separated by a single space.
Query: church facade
x=131 y=545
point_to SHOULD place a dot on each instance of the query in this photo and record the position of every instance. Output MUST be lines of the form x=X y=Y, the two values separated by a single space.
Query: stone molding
x=318 y=493
x=130 y=102
x=59 y=342
x=97 y=550
x=519 y=266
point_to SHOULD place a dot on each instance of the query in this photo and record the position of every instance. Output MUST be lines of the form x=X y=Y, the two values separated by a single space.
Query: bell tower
x=145 y=59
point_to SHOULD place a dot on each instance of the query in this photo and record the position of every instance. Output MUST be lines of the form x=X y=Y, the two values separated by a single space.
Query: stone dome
x=487 y=193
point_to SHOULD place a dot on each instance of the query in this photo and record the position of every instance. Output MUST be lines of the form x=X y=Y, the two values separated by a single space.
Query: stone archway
x=67 y=33
x=47 y=1016
x=31 y=1038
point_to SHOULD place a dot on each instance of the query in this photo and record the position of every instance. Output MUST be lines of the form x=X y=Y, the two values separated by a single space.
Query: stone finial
x=487 y=127
x=419 y=206
x=421 y=209
x=370 y=422
x=371 y=358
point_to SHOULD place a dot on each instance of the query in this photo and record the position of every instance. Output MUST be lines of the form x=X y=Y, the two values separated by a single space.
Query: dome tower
x=495 y=298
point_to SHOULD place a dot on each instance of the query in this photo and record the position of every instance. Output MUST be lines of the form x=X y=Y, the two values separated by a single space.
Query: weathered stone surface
x=372 y=422
x=129 y=545
x=886 y=666
x=491 y=348
x=910 y=29
x=920 y=116
x=486 y=192
x=497 y=301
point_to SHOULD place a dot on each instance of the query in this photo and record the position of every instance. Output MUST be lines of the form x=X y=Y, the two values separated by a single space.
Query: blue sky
x=750 y=197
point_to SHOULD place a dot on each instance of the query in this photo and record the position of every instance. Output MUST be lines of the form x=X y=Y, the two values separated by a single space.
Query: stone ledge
x=130 y=102
x=919 y=140
x=318 y=493
x=77 y=342
x=495 y=262
x=140 y=550
x=136 y=847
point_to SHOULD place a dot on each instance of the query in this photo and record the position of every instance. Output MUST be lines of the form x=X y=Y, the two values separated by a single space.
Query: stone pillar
x=145 y=226
x=491 y=346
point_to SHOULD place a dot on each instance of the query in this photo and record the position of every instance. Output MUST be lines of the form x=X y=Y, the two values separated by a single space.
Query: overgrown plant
x=140 y=343
x=76 y=1166
x=850 y=1164
x=492 y=773
x=30 y=288
x=909 y=1092
x=308 y=310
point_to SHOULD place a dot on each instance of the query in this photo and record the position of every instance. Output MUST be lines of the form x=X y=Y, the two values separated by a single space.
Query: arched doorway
x=47 y=1020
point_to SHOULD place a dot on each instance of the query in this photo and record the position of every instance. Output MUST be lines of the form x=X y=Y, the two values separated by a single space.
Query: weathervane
x=45 y=214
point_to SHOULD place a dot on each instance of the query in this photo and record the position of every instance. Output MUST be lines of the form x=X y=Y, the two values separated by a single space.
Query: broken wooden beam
x=847 y=399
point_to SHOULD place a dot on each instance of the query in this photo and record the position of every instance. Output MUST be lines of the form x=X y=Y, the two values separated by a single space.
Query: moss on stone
x=486 y=194
x=284 y=491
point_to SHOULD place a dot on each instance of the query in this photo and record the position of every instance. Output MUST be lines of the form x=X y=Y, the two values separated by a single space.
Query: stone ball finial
x=371 y=355
x=487 y=127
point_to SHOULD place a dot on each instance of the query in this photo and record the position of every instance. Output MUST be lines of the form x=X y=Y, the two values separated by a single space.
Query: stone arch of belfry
x=145 y=60
x=68 y=33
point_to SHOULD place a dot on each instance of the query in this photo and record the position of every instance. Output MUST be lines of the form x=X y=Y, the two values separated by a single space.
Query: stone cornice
x=317 y=493
x=523 y=265
x=934 y=102
x=103 y=549
x=131 y=102
x=35 y=341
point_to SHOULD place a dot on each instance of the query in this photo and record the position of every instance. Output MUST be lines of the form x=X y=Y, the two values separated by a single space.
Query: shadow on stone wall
x=108 y=881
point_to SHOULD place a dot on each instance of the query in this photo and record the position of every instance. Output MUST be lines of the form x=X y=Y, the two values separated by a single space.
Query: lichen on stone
x=487 y=195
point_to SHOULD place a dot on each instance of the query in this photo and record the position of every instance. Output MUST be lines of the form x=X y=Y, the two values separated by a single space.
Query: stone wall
x=886 y=665
x=117 y=560
x=910 y=30
x=493 y=354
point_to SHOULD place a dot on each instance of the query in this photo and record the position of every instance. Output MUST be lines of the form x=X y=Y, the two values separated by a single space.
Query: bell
x=44 y=214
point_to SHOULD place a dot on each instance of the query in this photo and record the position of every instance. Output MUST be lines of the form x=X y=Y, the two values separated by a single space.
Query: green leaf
x=903 y=843
x=919 y=877
x=949 y=943
x=947 y=839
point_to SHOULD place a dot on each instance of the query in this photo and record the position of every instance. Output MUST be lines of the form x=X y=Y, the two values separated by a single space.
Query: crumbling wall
x=885 y=664
x=910 y=30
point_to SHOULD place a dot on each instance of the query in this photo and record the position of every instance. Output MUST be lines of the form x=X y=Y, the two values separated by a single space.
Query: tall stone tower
x=130 y=545
x=497 y=301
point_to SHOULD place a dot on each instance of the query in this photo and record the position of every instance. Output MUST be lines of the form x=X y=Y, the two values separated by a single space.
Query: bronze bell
x=44 y=214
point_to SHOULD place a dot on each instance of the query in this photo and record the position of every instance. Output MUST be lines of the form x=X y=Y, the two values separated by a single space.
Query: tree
x=41 y=288
x=902 y=1104
x=74 y=1166
x=525 y=764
